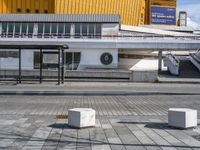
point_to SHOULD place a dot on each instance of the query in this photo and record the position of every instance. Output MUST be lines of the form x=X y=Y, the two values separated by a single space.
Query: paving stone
x=137 y=122
x=38 y=138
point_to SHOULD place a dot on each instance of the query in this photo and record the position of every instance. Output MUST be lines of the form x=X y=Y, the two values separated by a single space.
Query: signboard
x=163 y=15
x=49 y=58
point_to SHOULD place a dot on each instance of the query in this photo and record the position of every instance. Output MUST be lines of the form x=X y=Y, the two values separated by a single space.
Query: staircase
x=188 y=70
x=172 y=63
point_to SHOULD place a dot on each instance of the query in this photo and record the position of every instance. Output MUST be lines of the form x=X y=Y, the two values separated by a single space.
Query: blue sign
x=163 y=15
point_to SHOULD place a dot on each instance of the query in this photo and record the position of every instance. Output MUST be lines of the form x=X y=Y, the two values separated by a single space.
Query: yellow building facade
x=132 y=12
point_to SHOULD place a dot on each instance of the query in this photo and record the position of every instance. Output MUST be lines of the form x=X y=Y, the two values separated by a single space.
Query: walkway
x=129 y=122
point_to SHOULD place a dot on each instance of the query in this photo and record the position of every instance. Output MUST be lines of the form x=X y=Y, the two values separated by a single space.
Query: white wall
x=90 y=58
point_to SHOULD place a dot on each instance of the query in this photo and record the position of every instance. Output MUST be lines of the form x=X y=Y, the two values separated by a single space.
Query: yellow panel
x=132 y=12
x=37 y=6
x=1 y=6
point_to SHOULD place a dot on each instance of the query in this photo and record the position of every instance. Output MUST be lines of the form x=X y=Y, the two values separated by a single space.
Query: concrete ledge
x=144 y=76
x=96 y=74
x=133 y=76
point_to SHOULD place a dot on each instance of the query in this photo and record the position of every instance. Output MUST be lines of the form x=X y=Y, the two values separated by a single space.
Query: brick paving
x=123 y=122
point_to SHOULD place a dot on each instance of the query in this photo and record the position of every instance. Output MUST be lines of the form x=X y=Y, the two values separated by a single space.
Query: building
x=98 y=36
x=132 y=12
x=58 y=28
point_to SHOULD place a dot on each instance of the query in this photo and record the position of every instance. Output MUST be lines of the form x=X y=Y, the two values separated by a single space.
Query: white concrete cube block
x=81 y=117
x=182 y=118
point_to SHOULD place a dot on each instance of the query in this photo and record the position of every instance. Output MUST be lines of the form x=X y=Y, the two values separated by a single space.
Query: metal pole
x=63 y=69
x=41 y=65
x=159 y=61
x=20 y=66
x=58 y=66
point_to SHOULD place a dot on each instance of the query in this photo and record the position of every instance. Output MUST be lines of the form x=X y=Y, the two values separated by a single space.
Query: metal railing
x=120 y=36
x=173 y=59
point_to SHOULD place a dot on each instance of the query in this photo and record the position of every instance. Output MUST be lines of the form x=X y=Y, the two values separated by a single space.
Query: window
x=28 y=11
x=19 y=10
x=68 y=61
x=40 y=29
x=10 y=29
x=24 y=29
x=54 y=28
x=47 y=29
x=46 y=11
x=30 y=29
x=91 y=30
x=72 y=60
x=37 y=11
x=77 y=29
x=60 y=28
x=84 y=29
x=67 y=29
x=17 y=29
x=98 y=30
x=4 y=28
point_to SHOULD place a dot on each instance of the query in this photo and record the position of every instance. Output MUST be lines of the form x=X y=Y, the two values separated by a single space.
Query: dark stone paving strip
x=90 y=93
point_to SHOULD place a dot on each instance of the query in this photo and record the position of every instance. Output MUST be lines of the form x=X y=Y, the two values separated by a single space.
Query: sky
x=192 y=7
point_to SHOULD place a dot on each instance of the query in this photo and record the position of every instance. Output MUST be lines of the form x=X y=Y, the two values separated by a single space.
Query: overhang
x=61 y=18
x=34 y=45
x=164 y=44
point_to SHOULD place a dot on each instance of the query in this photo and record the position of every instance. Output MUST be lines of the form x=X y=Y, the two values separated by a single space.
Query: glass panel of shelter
x=8 y=61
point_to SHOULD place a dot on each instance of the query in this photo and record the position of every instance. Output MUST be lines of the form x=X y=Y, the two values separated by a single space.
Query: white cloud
x=192 y=11
x=192 y=24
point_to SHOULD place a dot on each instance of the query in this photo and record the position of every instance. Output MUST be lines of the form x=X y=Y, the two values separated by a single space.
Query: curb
x=87 y=93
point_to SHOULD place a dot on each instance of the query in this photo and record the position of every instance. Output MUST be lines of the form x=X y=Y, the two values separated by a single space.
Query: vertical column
x=20 y=66
x=41 y=65
x=72 y=31
x=63 y=68
x=159 y=61
x=58 y=66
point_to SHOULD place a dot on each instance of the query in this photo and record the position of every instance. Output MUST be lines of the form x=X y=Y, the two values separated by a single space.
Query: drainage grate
x=61 y=116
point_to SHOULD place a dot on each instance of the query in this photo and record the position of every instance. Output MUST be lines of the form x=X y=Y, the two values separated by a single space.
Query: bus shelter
x=58 y=49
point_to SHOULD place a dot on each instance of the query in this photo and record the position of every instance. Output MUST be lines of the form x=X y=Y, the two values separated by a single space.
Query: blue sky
x=192 y=7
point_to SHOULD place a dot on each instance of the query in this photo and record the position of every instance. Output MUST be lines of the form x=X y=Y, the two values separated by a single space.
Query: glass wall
x=88 y=29
x=17 y=29
x=48 y=30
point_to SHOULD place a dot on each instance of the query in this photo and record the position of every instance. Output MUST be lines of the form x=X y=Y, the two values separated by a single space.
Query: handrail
x=174 y=59
x=195 y=57
x=60 y=35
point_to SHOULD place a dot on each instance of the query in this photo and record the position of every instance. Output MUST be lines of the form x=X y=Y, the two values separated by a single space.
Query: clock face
x=106 y=58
